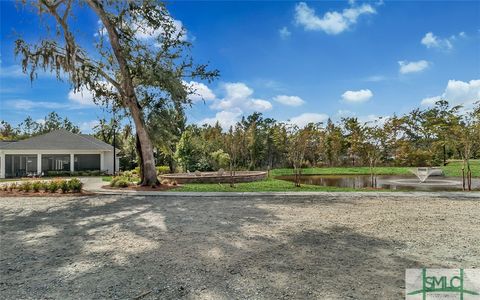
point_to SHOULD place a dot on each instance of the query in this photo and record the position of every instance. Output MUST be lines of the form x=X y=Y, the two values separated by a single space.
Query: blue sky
x=298 y=61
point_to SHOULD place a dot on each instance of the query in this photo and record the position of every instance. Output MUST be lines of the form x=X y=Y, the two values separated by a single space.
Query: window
x=87 y=162
x=55 y=162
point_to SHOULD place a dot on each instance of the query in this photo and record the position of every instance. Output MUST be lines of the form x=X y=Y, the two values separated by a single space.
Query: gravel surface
x=344 y=246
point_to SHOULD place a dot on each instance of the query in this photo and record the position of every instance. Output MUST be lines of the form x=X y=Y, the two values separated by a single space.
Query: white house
x=59 y=150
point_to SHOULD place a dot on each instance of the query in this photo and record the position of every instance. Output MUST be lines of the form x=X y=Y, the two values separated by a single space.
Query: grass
x=454 y=168
x=343 y=171
x=107 y=178
x=267 y=185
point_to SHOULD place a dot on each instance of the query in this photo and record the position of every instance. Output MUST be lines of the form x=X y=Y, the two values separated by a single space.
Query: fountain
x=423 y=173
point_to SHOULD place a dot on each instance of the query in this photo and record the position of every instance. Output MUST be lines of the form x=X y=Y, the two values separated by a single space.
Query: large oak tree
x=140 y=57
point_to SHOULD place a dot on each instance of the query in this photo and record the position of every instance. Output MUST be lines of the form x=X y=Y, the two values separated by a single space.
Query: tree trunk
x=129 y=98
x=469 y=177
x=145 y=151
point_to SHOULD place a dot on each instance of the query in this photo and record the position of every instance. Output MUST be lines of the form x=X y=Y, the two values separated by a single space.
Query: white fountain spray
x=423 y=173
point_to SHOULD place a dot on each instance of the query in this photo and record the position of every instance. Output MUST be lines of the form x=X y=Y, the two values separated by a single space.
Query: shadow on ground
x=210 y=248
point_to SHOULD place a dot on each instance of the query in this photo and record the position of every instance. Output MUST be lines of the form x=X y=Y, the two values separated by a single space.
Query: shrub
x=75 y=185
x=12 y=186
x=25 y=186
x=36 y=186
x=64 y=186
x=4 y=187
x=58 y=173
x=44 y=186
x=136 y=171
x=122 y=182
x=53 y=186
x=162 y=170
x=114 y=180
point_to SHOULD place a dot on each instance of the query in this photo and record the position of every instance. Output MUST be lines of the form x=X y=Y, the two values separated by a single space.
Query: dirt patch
x=349 y=246
x=158 y=188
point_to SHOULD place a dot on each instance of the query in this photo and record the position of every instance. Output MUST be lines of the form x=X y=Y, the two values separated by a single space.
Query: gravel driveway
x=344 y=246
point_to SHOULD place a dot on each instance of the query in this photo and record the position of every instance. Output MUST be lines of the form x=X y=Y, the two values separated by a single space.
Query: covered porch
x=39 y=164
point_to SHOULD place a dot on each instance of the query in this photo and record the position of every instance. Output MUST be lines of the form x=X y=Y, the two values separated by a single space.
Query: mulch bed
x=43 y=194
x=158 y=188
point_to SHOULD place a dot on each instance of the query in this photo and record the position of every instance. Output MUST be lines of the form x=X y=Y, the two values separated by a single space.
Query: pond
x=391 y=182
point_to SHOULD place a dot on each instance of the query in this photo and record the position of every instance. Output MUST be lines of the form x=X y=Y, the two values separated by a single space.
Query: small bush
x=25 y=186
x=64 y=186
x=53 y=186
x=75 y=185
x=114 y=180
x=36 y=186
x=12 y=186
x=120 y=181
x=44 y=186
x=4 y=187
x=162 y=170
x=123 y=183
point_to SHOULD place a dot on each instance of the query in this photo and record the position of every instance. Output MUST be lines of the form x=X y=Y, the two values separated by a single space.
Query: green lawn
x=343 y=171
x=267 y=185
x=454 y=168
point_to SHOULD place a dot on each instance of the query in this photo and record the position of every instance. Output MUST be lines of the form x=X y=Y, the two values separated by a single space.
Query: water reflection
x=392 y=182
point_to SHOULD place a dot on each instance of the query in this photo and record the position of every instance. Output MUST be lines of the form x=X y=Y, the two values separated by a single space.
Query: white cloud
x=143 y=32
x=430 y=100
x=458 y=92
x=239 y=96
x=83 y=97
x=13 y=71
x=289 y=100
x=307 y=118
x=331 y=22
x=200 y=91
x=87 y=127
x=373 y=120
x=23 y=104
x=345 y=113
x=413 y=66
x=357 y=96
x=432 y=41
x=224 y=118
x=284 y=32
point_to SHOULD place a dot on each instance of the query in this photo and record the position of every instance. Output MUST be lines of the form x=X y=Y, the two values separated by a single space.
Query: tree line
x=423 y=137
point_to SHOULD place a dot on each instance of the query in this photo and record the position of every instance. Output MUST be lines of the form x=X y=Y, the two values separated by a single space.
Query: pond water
x=392 y=182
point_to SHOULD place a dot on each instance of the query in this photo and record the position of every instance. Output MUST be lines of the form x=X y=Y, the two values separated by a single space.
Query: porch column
x=102 y=161
x=39 y=164
x=72 y=163
x=2 y=165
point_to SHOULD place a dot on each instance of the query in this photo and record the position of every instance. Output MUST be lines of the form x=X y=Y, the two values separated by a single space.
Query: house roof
x=58 y=140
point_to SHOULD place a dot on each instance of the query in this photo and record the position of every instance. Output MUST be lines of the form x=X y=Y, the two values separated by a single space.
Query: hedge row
x=72 y=185
x=76 y=173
